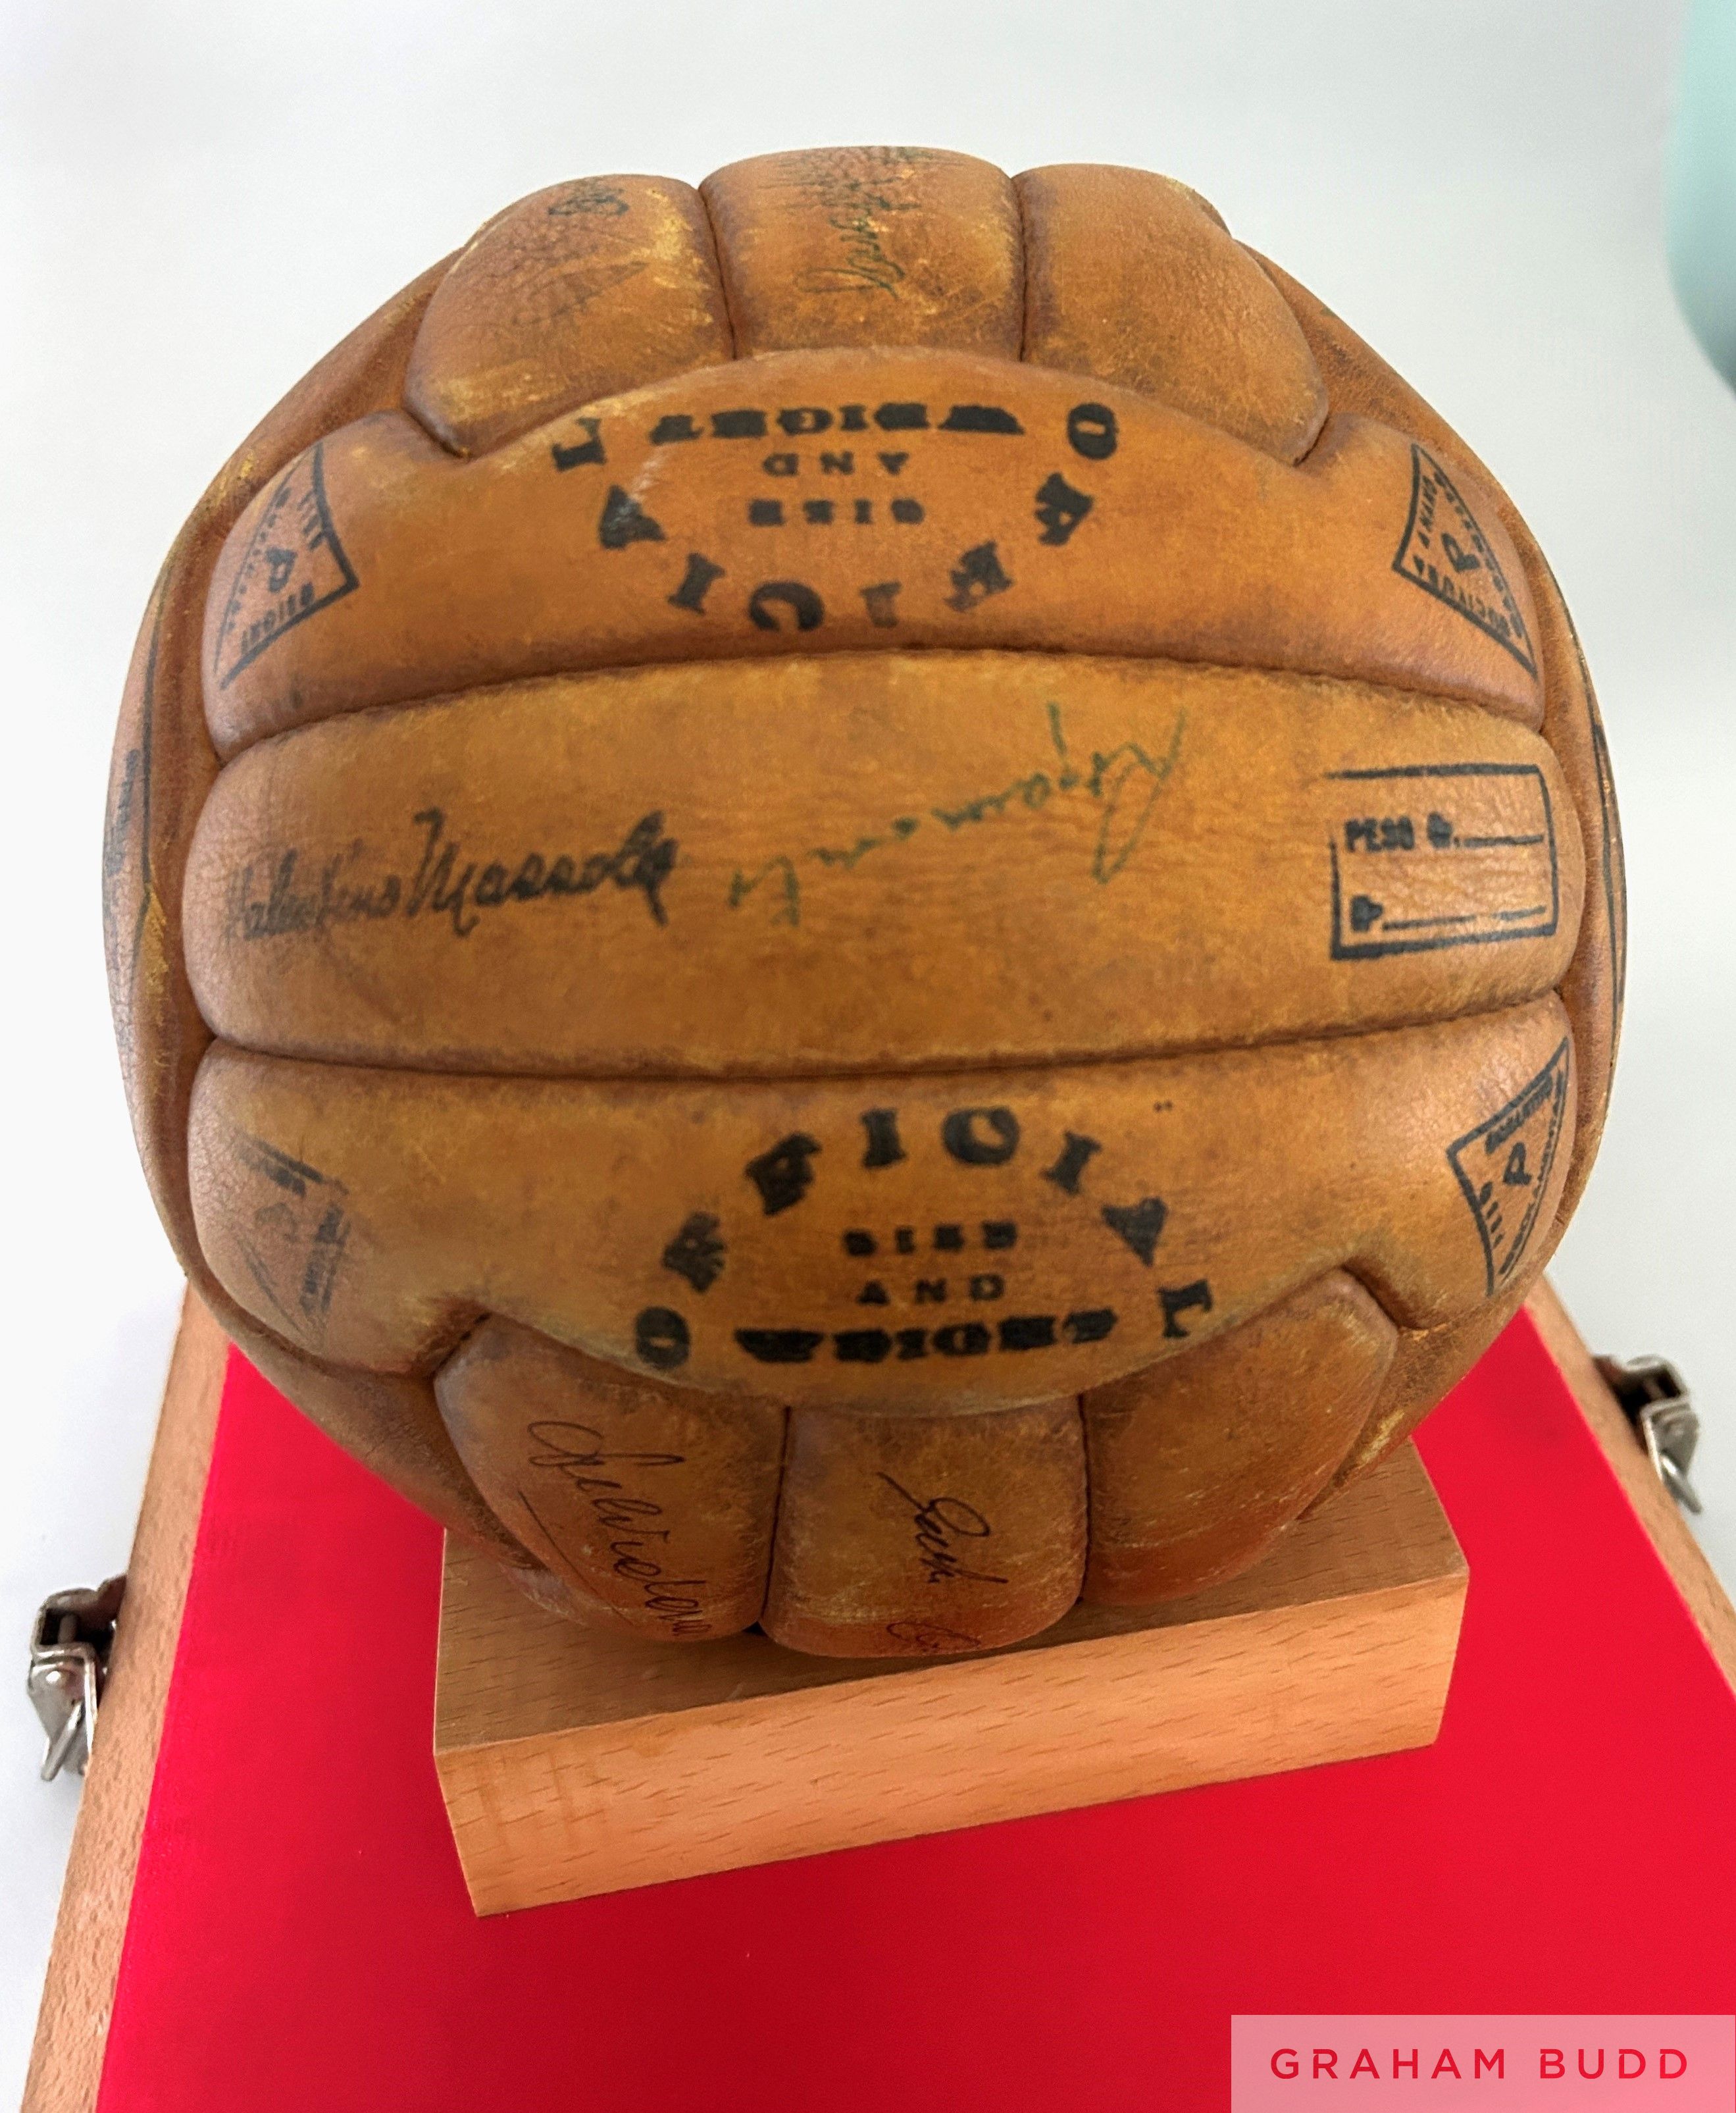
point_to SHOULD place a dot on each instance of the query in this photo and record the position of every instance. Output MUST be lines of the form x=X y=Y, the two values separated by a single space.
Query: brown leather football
x=862 y=901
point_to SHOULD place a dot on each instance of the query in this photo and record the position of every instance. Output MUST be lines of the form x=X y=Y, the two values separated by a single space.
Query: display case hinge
x=70 y=1645
x=1652 y=1396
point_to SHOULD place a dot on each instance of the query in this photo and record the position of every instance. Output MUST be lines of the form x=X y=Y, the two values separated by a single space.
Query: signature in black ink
x=575 y=1452
x=940 y=1522
x=1125 y=782
x=446 y=884
x=853 y=205
x=930 y=1638
x=294 y=1237
x=591 y=195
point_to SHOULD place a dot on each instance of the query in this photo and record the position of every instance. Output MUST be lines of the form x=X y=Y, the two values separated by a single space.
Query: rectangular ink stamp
x=1429 y=855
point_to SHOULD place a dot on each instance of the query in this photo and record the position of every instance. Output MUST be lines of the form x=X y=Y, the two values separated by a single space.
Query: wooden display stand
x=373 y=1941
x=574 y=1762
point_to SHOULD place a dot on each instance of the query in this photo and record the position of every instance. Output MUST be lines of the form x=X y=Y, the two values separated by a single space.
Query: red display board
x=300 y=1937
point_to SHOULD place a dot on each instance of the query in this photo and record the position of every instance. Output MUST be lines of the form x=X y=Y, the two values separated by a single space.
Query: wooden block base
x=575 y=1762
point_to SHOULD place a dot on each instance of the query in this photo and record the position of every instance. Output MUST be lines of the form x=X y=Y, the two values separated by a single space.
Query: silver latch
x=70 y=1645
x=1655 y=1400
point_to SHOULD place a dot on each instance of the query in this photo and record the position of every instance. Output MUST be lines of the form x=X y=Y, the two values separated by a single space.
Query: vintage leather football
x=862 y=901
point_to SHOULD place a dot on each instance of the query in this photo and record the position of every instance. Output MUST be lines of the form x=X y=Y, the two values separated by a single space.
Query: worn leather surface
x=966 y=504
x=862 y=899
x=1134 y=278
x=906 y=859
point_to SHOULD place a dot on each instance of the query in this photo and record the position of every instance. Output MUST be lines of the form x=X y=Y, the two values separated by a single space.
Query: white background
x=200 y=198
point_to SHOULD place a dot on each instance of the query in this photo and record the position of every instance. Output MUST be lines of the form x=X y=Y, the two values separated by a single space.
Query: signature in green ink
x=1125 y=781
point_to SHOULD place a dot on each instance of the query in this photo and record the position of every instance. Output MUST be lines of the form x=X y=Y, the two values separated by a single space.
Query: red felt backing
x=300 y=1937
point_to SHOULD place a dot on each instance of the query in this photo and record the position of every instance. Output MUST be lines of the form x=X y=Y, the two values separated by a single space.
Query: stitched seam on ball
x=940 y=1068
x=778 y=1510
x=1024 y=267
x=720 y=257
x=1349 y=1266
x=1433 y=695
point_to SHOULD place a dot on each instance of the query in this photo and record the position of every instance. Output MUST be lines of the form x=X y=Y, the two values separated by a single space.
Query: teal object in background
x=1701 y=196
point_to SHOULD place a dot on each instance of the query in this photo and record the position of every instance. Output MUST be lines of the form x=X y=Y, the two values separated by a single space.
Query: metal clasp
x=70 y=1644
x=1654 y=1398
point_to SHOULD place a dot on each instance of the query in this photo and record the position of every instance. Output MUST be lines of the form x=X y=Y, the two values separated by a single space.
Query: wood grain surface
x=575 y=1762
x=66 y=2066
x=72 y=2027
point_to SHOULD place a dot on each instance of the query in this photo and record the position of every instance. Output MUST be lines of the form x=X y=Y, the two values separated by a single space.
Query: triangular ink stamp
x=1445 y=552
x=293 y=566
